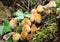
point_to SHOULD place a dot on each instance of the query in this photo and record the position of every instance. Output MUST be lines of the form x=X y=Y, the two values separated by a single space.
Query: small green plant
x=20 y=15
x=45 y=33
x=5 y=27
x=58 y=3
x=8 y=41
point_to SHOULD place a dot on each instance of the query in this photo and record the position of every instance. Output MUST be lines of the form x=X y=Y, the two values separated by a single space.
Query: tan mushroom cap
x=29 y=37
x=52 y=3
x=13 y=23
x=35 y=17
x=33 y=28
x=38 y=18
x=23 y=35
x=33 y=11
x=26 y=21
x=16 y=36
x=26 y=28
x=32 y=18
x=48 y=11
x=40 y=8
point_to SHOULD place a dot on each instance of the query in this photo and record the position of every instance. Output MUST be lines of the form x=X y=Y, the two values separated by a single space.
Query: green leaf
x=18 y=13
x=6 y=29
x=6 y=23
x=26 y=14
x=8 y=41
x=19 y=18
x=1 y=30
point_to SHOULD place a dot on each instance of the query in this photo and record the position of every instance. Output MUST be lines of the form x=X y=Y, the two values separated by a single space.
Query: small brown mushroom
x=26 y=21
x=23 y=35
x=50 y=4
x=13 y=23
x=48 y=11
x=29 y=37
x=33 y=12
x=16 y=36
x=33 y=28
x=26 y=28
x=35 y=16
x=32 y=17
x=38 y=18
x=40 y=8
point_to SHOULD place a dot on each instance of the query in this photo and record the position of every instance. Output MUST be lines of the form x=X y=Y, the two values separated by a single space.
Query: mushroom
x=38 y=18
x=13 y=23
x=26 y=21
x=40 y=8
x=26 y=28
x=35 y=16
x=29 y=37
x=33 y=11
x=48 y=11
x=23 y=35
x=33 y=28
x=50 y=4
x=16 y=36
x=32 y=17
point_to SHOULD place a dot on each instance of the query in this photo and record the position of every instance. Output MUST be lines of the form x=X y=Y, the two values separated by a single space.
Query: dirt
x=4 y=12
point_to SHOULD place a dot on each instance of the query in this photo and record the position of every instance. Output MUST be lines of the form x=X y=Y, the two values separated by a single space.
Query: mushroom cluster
x=28 y=27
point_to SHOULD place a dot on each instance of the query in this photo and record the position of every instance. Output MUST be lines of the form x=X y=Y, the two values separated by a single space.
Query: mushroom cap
x=23 y=35
x=40 y=8
x=33 y=28
x=26 y=21
x=16 y=36
x=33 y=11
x=29 y=37
x=13 y=23
x=38 y=18
x=50 y=4
x=26 y=28
x=32 y=17
x=48 y=11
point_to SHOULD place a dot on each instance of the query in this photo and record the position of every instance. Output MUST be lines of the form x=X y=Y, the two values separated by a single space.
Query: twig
x=28 y=4
x=20 y=6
